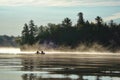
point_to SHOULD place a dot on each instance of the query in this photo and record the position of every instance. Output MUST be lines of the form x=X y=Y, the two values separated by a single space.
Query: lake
x=60 y=66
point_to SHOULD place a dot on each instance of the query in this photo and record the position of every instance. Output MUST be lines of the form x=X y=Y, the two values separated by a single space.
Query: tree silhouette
x=28 y=33
x=66 y=22
x=80 y=19
x=25 y=34
x=98 y=20
x=31 y=32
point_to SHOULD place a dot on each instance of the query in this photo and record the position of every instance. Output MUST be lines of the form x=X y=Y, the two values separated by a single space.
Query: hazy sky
x=14 y=13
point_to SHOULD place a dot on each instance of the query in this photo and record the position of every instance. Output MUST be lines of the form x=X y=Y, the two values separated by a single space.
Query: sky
x=15 y=13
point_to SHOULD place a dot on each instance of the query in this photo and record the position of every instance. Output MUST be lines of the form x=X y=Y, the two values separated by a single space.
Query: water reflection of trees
x=29 y=77
x=28 y=65
x=37 y=64
x=32 y=64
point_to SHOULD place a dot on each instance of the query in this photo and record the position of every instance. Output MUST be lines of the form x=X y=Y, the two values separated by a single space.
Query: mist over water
x=81 y=48
x=11 y=50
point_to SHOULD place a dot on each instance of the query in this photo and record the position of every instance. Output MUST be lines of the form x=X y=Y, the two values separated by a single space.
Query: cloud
x=112 y=17
x=59 y=3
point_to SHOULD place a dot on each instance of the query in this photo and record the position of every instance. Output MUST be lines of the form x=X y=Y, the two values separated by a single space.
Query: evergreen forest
x=67 y=34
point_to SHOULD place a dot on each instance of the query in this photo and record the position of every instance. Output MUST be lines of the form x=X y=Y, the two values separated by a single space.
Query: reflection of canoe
x=42 y=52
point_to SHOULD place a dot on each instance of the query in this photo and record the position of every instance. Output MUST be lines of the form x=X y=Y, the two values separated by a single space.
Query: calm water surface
x=60 y=67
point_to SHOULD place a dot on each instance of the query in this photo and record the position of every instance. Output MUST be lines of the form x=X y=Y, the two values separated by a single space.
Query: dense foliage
x=84 y=32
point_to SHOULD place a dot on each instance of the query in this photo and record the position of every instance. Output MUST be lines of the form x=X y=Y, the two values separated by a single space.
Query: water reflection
x=62 y=69
x=54 y=77
x=54 y=67
x=28 y=65
x=29 y=77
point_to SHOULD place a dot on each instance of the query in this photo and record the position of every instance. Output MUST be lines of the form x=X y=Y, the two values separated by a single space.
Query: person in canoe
x=37 y=52
x=42 y=52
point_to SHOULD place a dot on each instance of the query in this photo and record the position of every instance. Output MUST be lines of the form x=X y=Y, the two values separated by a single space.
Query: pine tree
x=80 y=19
x=99 y=20
x=25 y=34
x=32 y=32
x=66 y=22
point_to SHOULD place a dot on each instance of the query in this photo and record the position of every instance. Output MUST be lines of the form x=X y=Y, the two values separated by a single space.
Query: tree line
x=64 y=33
x=8 y=41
